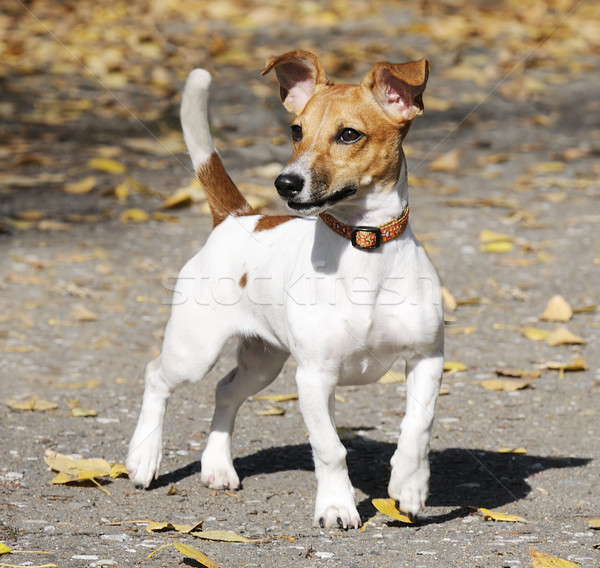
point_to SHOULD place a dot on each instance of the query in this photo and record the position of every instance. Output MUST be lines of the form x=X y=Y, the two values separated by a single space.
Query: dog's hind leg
x=258 y=365
x=409 y=482
x=193 y=340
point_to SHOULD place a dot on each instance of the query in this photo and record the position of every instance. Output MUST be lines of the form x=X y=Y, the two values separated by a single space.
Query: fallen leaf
x=562 y=336
x=163 y=527
x=92 y=384
x=190 y=552
x=84 y=185
x=221 y=536
x=557 y=309
x=576 y=364
x=499 y=247
x=277 y=397
x=81 y=313
x=452 y=367
x=448 y=300
x=509 y=385
x=448 y=162
x=181 y=198
x=388 y=507
x=518 y=373
x=272 y=411
x=500 y=517
x=106 y=165
x=50 y=225
x=594 y=523
x=393 y=377
x=4 y=549
x=172 y=490
x=134 y=216
x=513 y=451
x=34 y=403
x=466 y=330
x=487 y=236
x=535 y=334
x=539 y=559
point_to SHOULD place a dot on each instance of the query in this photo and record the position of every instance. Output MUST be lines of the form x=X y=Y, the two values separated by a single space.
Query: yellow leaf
x=535 y=334
x=106 y=165
x=518 y=373
x=277 y=397
x=499 y=247
x=181 y=198
x=134 y=215
x=155 y=526
x=388 y=507
x=34 y=403
x=4 y=549
x=557 y=309
x=84 y=185
x=393 y=377
x=454 y=367
x=77 y=466
x=562 y=336
x=118 y=470
x=467 y=330
x=122 y=192
x=92 y=384
x=504 y=384
x=594 y=523
x=500 y=517
x=221 y=536
x=541 y=560
x=514 y=451
x=79 y=412
x=448 y=162
x=448 y=300
x=272 y=411
x=198 y=556
x=80 y=313
x=487 y=236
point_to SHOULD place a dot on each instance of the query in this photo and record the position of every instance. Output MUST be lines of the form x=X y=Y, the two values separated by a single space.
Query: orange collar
x=364 y=237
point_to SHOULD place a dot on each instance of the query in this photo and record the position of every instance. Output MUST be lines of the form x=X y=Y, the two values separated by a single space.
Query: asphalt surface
x=88 y=302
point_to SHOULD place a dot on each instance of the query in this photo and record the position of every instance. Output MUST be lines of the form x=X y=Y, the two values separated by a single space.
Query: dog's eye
x=349 y=135
x=296 y=132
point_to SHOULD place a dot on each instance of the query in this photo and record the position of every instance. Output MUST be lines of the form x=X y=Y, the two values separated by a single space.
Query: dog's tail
x=223 y=196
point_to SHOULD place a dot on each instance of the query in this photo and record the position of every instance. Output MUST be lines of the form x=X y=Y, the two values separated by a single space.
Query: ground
x=89 y=246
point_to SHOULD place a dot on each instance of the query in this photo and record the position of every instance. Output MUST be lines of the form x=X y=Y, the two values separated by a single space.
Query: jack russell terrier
x=343 y=285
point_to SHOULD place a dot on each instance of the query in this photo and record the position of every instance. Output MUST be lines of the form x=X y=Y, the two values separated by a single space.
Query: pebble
x=121 y=537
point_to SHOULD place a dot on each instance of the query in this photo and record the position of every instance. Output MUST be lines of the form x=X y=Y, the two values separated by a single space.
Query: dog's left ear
x=298 y=72
x=398 y=88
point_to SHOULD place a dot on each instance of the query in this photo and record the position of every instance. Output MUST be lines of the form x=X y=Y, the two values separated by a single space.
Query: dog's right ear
x=298 y=73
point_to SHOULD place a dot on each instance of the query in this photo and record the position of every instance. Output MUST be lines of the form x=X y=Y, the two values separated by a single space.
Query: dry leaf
x=487 y=236
x=190 y=552
x=393 y=377
x=518 y=373
x=155 y=526
x=466 y=330
x=277 y=397
x=535 y=334
x=499 y=247
x=509 y=385
x=513 y=451
x=541 y=560
x=172 y=490
x=388 y=507
x=562 y=336
x=272 y=411
x=221 y=536
x=180 y=198
x=84 y=185
x=4 y=549
x=80 y=313
x=452 y=367
x=448 y=162
x=557 y=309
x=448 y=300
x=500 y=517
x=577 y=364
x=134 y=215
x=106 y=165
x=594 y=523
x=92 y=384
x=34 y=403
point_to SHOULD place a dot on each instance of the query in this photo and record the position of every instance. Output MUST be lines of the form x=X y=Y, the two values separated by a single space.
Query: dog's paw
x=145 y=455
x=409 y=484
x=335 y=507
x=219 y=473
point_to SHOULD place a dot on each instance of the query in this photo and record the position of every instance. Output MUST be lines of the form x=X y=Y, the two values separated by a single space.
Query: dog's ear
x=398 y=88
x=298 y=73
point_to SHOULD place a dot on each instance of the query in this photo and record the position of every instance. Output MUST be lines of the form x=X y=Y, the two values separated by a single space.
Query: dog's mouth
x=313 y=206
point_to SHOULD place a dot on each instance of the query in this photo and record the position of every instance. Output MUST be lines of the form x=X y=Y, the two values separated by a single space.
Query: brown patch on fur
x=224 y=198
x=243 y=280
x=267 y=222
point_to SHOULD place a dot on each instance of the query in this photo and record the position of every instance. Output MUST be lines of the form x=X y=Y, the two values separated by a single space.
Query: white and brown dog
x=345 y=287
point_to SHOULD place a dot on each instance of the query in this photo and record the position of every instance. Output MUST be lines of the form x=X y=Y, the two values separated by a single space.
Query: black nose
x=289 y=185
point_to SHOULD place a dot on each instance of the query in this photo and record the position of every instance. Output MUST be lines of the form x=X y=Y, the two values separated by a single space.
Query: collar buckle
x=362 y=237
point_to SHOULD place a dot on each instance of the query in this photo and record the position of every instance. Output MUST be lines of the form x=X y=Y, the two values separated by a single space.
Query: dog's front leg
x=335 y=495
x=409 y=483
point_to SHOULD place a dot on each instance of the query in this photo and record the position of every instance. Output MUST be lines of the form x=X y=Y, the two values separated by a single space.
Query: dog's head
x=347 y=138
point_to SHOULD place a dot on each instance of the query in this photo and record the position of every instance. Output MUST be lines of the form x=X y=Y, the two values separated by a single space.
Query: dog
x=342 y=284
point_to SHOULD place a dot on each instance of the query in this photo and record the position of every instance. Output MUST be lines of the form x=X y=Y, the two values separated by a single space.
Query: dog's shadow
x=461 y=478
